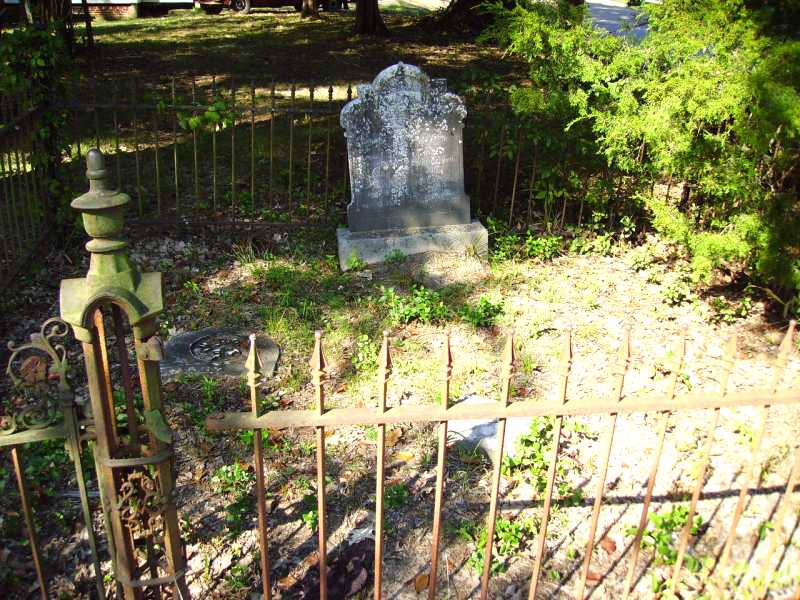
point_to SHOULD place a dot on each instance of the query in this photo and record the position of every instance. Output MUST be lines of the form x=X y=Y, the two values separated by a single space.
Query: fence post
x=136 y=479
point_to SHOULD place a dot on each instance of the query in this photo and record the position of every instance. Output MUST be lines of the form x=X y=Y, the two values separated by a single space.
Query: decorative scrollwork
x=141 y=506
x=33 y=403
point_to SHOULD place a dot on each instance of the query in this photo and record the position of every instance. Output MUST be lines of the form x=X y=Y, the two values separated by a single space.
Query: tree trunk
x=87 y=19
x=310 y=9
x=368 y=18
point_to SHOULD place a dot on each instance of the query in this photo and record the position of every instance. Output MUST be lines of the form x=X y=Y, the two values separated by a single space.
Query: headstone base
x=372 y=247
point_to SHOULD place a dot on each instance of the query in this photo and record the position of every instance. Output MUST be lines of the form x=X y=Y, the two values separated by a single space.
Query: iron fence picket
x=253 y=145
x=290 y=117
x=175 y=147
x=233 y=202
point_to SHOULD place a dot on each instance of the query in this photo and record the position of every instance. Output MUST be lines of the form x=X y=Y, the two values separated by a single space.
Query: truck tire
x=241 y=6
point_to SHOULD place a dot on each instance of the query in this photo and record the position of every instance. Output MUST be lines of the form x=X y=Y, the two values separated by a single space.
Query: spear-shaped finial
x=384 y=369
x=509 y=360
x=447 y=369
x=319 y=369
x=253 y=363
x=384 y=358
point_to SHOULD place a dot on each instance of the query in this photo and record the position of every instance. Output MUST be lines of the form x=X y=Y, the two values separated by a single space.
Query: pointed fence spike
x=253 y=363
x=384 y=358
x=509 y=358
x=318 y=364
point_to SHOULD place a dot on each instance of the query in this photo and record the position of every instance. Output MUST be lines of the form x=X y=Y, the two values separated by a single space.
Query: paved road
x=617 y=18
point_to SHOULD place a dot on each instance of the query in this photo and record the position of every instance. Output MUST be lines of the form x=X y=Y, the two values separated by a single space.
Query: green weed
x=543 y=247
x=483 y=314
x=396 y=495
x=510 y=538
x=395 y=257
x=531 y=460
x=662 y=536
x=365 y=359
x=422 y=305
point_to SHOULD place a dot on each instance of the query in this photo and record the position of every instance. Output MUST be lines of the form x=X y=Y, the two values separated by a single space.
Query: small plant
x=365 y=358
x=354 y=262
x=724 y=311
x=192 y=288
x=506 y=247
x=482 y=314
x=677 y=290
x=544 y=248
x=238 y=577
x=234 y=479
x=422 y=305
x=663 y=533
x=627 y=227
x=209 y=387
x=642 y=258
x=396 y=495
x=238 y=480
x=395 y=257
x=310 y=516
x=510 y=538
x=532 y=459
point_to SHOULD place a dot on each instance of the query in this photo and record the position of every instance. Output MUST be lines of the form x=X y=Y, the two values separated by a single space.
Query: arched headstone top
x=404 y=141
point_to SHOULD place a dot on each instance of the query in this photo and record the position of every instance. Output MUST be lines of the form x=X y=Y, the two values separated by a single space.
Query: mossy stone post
x=134 y=455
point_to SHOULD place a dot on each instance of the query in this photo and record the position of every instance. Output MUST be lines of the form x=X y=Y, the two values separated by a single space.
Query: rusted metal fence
x=23 y=183
x=247 y=147
x=213 y=150
x=665 y=406
x=216 y=145
x=41 y=406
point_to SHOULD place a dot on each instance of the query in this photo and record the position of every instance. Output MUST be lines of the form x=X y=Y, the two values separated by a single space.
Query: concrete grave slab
x=215 y=352
x=482 y=434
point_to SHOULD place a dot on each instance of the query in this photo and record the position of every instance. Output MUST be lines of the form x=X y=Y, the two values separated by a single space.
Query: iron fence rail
x=665 y=405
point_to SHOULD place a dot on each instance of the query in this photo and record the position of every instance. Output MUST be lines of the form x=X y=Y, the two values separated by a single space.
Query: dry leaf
x=33 y=370
x=170 y=386
x=608 y=545
x=404 y=456
x=393 y=436
x=592 y=576
x=421 y=582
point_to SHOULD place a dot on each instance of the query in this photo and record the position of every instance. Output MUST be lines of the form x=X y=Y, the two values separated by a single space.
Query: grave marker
x=405 y=150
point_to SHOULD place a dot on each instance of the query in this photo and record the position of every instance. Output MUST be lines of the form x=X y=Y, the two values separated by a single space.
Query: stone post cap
x=99 y=196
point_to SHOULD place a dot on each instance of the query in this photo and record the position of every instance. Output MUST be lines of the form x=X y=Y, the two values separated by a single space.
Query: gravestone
x=405 y=151
x=215 y=352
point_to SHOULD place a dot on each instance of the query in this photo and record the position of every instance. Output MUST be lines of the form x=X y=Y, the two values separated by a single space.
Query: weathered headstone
x=405 y=150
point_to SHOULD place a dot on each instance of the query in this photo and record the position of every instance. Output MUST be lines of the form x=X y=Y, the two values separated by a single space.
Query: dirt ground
x=594 y=295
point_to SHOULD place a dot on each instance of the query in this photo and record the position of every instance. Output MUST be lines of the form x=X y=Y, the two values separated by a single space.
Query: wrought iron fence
x=41 y=406
x=664 y=406
x=215 y=150
x=23 y=184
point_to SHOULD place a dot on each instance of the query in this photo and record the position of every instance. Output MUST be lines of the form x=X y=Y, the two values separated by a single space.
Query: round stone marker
x=215 y=352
